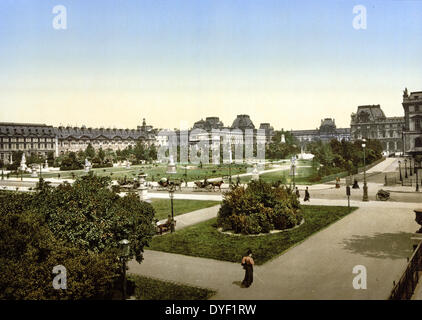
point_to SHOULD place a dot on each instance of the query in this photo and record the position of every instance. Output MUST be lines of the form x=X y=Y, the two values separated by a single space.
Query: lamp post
x=171 y=194
x=124 y=255
x=40 y=168
x=365 y=187
x=405 y=168
x=416 y=172
x=293 y=169
x=410 y=166
x=401 y=178
x=230 y=165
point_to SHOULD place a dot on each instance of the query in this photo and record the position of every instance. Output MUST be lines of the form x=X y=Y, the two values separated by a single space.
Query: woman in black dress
x=307 y=196
x=247 y=263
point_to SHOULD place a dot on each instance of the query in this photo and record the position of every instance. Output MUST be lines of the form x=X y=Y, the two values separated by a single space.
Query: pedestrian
x=307 y=196
x=297 y=193
x=247 y=264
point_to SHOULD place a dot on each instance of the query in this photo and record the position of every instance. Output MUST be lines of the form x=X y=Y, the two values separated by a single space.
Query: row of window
x=26 y=139
x=29 y=146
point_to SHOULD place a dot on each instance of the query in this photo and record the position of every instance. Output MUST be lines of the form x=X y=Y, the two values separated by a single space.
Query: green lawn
x=302 y=176
x=154 y=289
x=163 y=208
x=204 y=240
x=154 y=172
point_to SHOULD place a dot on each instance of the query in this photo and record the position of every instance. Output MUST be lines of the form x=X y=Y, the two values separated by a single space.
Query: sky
x=289 y=63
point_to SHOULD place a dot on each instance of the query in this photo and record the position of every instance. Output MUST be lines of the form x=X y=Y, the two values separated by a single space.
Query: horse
x=216 y=184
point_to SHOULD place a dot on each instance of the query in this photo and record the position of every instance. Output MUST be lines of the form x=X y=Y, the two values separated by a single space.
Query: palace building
x=42 y=139
x=370 y=122
x=326 y=132
x=412 y=132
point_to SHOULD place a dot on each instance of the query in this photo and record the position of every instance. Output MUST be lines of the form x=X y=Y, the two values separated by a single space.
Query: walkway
x=318 y=268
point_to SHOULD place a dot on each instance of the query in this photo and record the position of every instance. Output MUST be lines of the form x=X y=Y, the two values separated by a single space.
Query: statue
x=283 y=139
x=87 y=165
x=255 y=173
x=23 y=166
x=405 y=93
x=171 y=167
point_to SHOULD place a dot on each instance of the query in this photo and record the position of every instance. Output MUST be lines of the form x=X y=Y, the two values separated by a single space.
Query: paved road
x=377 y=235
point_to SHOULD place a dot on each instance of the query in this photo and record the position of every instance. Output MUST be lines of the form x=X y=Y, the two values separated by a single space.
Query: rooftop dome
x=243 y=122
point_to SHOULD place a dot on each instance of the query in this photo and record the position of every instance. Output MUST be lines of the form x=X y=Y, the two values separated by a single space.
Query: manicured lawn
x=204 y=240
x=163 y=207
x=154 y=289
x=154 y=172
x=302 y=176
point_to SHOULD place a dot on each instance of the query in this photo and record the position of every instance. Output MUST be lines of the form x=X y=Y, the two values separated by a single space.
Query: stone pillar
x=255 y=173
x=143 y=189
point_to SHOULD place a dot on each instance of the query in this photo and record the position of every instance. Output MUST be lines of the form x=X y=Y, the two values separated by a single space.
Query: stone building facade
x=25 y=137
x=412 y=132
x=370 y=122
x=326 y=132
x=42 y=139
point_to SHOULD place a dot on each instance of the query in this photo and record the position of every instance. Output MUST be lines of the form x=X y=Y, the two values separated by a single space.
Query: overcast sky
x=290 y=63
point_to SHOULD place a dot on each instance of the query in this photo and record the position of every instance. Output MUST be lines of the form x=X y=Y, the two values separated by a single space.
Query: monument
x=283 y=139
x=87 y=165
x=143 y=189
x=255 y=173
x=171 y=167
x=46 y=166
x=23 y=166
x=34 y=173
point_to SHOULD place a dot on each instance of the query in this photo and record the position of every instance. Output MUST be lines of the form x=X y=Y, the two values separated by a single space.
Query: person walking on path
x=307 y=196
x=247 y=263
x=297 y=193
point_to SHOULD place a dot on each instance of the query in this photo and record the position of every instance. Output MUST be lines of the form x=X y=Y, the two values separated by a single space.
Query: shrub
x=260 y=207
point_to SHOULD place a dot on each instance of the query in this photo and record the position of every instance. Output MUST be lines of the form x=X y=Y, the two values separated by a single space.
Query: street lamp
x=410 y=166
x=405 y=168
x=230 y=166
x=401 y=178
x=171 y=194
x=416 y=172
x=124 y=255
x=365 y=187
x=293 y=169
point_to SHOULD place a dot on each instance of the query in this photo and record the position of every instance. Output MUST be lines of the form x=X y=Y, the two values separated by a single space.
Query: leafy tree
x=78 y=226
x=90 y=151
x=70 y=162
x=278 y=150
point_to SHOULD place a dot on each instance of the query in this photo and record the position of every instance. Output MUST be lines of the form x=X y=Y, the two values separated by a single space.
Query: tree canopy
x=78 y=226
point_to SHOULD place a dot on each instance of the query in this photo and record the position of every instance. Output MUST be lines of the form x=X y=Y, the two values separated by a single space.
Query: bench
x=164 y=227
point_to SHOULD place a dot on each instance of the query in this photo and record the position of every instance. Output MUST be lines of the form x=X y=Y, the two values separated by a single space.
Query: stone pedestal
x=142 y=189
x=34 y=173
x=171 y=167
x=46 y=169
x=255 y=173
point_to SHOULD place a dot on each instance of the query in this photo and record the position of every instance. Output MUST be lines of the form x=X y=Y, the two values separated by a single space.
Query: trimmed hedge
x=259 y=208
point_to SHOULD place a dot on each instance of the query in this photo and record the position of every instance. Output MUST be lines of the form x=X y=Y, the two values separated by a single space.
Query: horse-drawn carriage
x=383 y=195
x=167 y=183
x=208 y=185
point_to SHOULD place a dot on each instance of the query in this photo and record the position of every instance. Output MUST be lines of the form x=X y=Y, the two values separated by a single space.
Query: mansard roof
x=26 y=130
x=98 y=133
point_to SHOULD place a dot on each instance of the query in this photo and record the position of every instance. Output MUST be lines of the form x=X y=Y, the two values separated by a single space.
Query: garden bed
x=204 y=239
